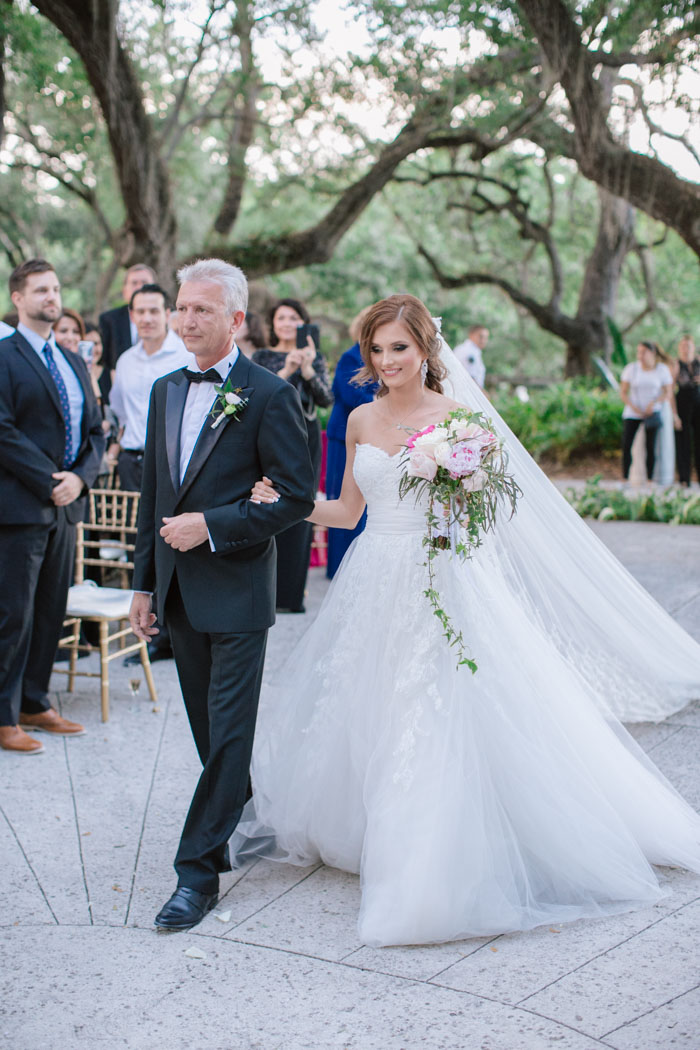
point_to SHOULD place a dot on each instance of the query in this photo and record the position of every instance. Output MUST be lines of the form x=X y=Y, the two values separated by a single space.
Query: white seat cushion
x=87 y=599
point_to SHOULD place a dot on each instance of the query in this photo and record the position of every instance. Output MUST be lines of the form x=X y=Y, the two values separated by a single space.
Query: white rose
x=232 y=399
x=442 y=453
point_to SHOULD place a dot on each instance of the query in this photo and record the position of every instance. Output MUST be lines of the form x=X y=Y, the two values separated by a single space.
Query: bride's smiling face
x=395 y=355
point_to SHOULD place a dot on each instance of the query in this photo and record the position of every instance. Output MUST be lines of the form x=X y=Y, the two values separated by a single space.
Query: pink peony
x=421 y=465
x=465 y=458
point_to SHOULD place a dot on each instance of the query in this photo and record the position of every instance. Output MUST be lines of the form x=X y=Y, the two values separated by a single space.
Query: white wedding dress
x=469 y=804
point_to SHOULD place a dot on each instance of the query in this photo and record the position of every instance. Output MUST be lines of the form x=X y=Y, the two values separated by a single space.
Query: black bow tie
x=210 y=376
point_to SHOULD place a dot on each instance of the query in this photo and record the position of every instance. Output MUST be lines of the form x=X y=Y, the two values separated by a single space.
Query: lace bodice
x=377 y=475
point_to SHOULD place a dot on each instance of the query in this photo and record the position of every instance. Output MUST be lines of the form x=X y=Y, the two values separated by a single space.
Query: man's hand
x=141 y=618
x=185 y=531
x=68 y=489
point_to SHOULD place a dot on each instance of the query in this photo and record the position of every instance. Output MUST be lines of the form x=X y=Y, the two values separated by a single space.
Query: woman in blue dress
x=347 y=397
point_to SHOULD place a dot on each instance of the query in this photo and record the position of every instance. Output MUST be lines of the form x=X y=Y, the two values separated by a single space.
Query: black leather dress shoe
x=185 y=909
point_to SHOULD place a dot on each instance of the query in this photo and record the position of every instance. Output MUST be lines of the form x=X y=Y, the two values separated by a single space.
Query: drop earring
x=424 y=371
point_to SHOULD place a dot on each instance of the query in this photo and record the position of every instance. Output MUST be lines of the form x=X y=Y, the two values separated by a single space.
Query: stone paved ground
x=87 y=835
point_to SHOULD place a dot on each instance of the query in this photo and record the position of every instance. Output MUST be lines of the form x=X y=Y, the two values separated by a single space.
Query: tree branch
x=644 y=181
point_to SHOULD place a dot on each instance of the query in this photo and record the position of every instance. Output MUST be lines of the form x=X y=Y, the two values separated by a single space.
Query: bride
x=469 y=805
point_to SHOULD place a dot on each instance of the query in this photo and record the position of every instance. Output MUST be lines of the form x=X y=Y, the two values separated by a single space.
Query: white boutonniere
x=229 y=404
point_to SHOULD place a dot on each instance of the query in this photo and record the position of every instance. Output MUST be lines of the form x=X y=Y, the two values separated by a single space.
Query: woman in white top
x=645 y=385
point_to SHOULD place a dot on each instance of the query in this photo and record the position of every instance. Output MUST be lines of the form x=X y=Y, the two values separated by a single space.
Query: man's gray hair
x=229 y=278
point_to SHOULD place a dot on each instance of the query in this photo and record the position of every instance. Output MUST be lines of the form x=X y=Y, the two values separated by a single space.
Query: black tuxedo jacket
x=115 y=329
x=33 y=439
x=233 y=588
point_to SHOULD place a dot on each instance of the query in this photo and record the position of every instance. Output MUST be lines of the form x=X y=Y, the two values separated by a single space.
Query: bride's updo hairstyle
x=411 y=312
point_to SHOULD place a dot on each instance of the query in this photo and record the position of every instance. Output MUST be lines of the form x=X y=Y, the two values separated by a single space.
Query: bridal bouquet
x=462 y=467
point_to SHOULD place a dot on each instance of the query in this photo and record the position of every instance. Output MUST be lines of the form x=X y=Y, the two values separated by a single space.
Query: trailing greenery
x=674 y=506
x=565 y=420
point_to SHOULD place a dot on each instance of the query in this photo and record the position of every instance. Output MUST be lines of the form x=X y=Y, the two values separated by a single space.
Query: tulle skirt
x=468 y=804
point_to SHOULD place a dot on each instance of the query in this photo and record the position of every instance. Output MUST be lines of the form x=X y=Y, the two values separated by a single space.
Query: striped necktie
x=65 y=405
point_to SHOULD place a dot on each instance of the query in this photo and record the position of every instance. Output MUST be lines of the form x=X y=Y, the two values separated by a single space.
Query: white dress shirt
x=469 y=355
x=199 y=403
x=5 y=330
x=135 y=374
x=76 y=397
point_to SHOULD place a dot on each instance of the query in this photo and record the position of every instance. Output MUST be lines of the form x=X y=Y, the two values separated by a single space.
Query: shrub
x=673 y=506
x=568 y=419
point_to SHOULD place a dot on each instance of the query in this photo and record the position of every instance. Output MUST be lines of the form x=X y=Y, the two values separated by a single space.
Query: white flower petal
x=195 y=953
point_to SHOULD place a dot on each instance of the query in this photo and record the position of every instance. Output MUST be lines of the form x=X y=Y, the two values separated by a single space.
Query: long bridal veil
x=641 y=663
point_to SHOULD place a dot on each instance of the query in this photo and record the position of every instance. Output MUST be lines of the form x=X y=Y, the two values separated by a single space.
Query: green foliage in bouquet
x=461 y=467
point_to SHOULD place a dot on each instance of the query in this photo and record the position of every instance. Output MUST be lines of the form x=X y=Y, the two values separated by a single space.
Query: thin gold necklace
x=400 y=424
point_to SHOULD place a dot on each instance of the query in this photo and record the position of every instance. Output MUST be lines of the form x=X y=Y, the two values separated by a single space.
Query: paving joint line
x=145 y=813
x=612 y=948
x=273 y=900
x=29 y=865
x=496 y=937
x=652 y=1010
x=77 y=823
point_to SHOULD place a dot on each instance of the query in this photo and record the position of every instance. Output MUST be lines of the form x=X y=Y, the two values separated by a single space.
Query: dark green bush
x=566 y=420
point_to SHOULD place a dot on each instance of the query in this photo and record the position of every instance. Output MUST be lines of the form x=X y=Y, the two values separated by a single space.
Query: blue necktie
x=65 y=405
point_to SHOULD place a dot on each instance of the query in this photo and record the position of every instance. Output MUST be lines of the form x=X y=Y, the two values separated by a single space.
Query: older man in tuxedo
x=51 y=445
x=209 y=553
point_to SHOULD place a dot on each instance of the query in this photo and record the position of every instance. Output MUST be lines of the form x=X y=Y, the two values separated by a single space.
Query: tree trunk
x=149 y=231
x=643 y=181
x=598 y=295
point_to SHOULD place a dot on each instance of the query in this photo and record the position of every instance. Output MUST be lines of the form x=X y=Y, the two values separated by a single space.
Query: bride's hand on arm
x=263 y=491
x=341 y=513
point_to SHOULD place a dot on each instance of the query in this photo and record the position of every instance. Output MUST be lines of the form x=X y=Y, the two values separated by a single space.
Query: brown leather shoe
x=12 y=738
x=51 y=722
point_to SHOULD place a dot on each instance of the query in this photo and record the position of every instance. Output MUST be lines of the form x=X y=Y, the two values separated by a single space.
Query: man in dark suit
x=51 y=445
x=117 y=329
x=209 y=553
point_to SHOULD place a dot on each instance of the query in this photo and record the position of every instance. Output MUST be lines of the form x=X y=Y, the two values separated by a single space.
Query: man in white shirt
x=468 y=353
x=5 y=330
x=158 y=351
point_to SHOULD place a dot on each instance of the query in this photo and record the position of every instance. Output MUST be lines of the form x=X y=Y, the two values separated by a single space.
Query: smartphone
x=303 y=333
x=85 y=348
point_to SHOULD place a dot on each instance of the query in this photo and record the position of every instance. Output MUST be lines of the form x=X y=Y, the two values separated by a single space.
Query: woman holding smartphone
x=303 y=367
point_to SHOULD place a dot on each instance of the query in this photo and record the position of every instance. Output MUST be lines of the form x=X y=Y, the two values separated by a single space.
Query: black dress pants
x=36 y=569
x=130 y=469
x=688 y=438
x=220 y=676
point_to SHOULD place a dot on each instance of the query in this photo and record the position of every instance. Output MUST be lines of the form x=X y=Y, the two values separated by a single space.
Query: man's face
x=150 y=316
x=40 y=299
x=480 y=337
x=134 y=280
x=206 y=326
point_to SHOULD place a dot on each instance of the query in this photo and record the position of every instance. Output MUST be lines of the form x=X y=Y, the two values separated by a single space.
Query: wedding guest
x=468 y=353
x=69 y=329
x=6 y=329
x=51 y=445
x=687 y=374
x=157 y=351
x=306 y=370
x=252 y=335
x=118 y=329
x=347 y=396
x=645 y=385
x=99 y=374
